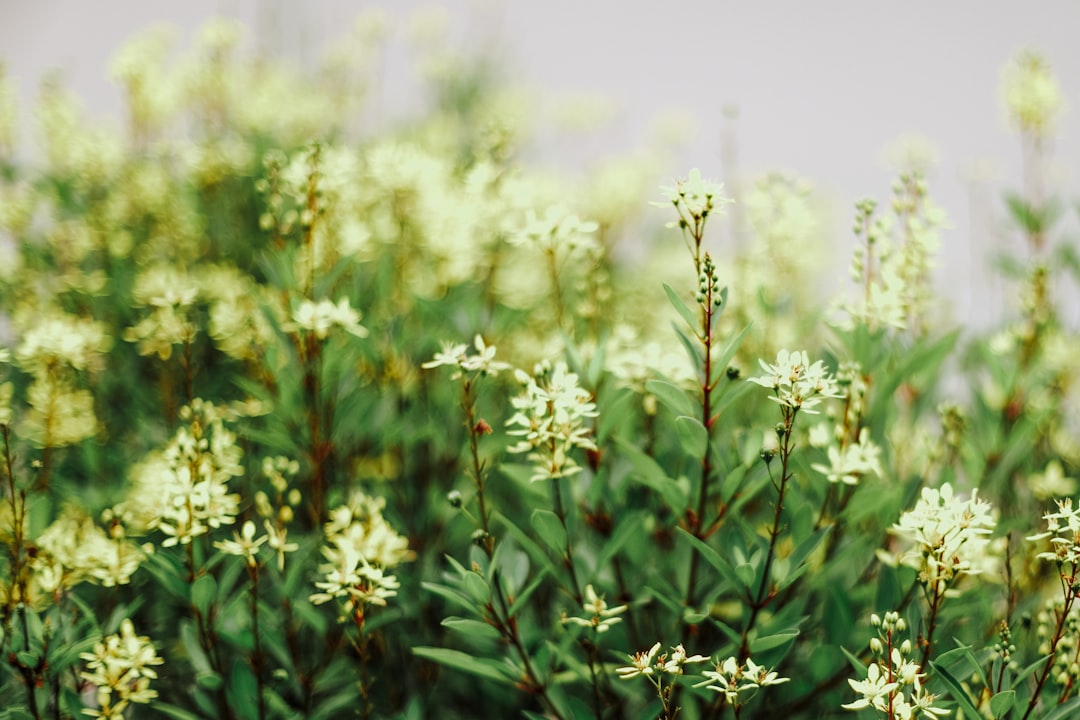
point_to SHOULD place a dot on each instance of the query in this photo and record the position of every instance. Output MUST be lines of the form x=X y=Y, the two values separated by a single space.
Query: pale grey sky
x=821 y=86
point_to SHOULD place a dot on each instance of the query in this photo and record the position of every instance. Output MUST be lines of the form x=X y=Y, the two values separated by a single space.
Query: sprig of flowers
x=654 y=667
x=796 y=383
x=121 y=667
x=893 y=685
x=550 y=418
x=732 y=678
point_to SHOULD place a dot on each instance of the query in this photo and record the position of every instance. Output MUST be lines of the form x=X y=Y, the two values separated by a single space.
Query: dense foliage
x=302 y=420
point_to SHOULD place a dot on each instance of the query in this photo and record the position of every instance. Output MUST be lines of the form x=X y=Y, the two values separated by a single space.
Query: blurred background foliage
x=221 y=314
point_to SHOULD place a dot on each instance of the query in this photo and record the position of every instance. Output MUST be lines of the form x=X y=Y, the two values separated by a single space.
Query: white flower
x=601 y=617
x=678 y=657
x=550 y=419
x=320 y=317
x=949 y=535
x=695 y=196
x=796 y=383
x=641 y=664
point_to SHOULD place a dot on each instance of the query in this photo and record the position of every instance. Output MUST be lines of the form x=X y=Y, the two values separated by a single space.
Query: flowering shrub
x=251 y=407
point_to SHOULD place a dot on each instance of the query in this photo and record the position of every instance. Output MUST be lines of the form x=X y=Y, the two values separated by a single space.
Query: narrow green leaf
x=175 y=712
x=746 y=574
x=1002 y=703
x=523 y=539
x=693 y=349
x=956 y=691
x=472 y=628
x=458 y=660
x=524 y=595
x=672 y=396
x=649 y=473
x=449 y=594
x=243 y=688
x=1063 y=712
x=769 y=642
x=209 y=680
x=693 y=436
x=202 y=593
x=712 y=557
x=550 y=529
x=476 y=587
x=681 y=308
x=721 y=362
x=629 y=527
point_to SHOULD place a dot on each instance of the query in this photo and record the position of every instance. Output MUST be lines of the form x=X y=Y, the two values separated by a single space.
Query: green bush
x=262 y=459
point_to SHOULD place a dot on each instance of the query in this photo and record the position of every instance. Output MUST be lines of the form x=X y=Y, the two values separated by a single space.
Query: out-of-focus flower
x=121 y=667
x=599 y=616
x=549 y=416
x=1030 y=93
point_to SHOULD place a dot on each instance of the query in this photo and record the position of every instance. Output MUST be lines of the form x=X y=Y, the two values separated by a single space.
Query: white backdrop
x=821 y=86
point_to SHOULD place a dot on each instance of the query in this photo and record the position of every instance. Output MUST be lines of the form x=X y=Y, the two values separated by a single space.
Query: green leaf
x=523 y=596
x=721 y=362
x=550 y=529
x=693 y=436
x=209 y=680
x=672 y=396
x=616 y=412
x=681 y=308
x=769 y=642
x=19 y=713
x=202 y=593
x=697 y=356
x=746 y=574
x=27 y=659
x=525 y=542
x=956 y=691
x=476 y=587
x=1002 y=703
x=472 y=628
x=449 y=594
x=649 y=473
x=243 y=688
x=1063 y=712
x=466 y=663
x=712 y=557
x=63 y=656
x=175 y=712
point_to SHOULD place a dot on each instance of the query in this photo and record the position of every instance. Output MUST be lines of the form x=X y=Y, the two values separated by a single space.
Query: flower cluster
x=456 y=355
x=322 y=316
x=550 y=417
x=183 y=490
x=57 y=350
x=796 y=383
x=600 y=617
x=555 y=229
x=893 y=684
x=849 y=463
x=950 y=536
x=121 y=668
x=171 y=297
x=1031 y=94
x=74 y=549
x=732 y=677
x=360 y=546
x=694 y=198
x=648 y=663
x=1063 y=529
x=1065 y=671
